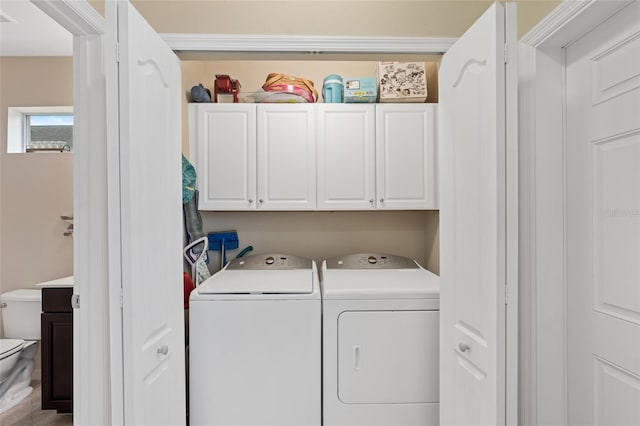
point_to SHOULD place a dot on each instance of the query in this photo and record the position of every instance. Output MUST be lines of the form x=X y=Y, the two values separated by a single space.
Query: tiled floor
x=28 y=412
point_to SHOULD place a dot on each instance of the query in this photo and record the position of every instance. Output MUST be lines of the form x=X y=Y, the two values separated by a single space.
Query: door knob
x=464 y=347
x=164 y=349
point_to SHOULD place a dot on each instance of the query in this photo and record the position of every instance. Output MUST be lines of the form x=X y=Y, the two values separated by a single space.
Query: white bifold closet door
x=146 y=206
x=477 y=142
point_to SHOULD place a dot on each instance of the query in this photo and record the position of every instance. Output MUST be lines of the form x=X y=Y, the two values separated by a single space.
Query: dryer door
x=388 y=357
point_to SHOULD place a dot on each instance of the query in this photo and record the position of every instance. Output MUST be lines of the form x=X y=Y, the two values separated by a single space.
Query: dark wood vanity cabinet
x=57 y=349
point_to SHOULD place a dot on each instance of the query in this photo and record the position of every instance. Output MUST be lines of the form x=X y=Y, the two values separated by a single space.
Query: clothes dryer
x=380 y=342
x=255 y=344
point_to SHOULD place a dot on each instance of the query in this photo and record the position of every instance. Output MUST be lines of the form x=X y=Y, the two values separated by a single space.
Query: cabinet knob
x=261 y=200
x=250 y=200
x=382 y=200
x=371 y=200
x=164 y=349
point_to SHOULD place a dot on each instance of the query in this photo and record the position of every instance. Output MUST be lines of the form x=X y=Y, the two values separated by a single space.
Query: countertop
x=60 y=282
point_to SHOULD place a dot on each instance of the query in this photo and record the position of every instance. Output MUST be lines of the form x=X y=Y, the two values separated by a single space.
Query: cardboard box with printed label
x=402 y=81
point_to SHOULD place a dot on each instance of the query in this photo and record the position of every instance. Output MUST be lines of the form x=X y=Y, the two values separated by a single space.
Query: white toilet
x=21 y=322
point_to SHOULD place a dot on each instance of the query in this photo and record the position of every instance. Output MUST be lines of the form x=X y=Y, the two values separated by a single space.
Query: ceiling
x=27 y=31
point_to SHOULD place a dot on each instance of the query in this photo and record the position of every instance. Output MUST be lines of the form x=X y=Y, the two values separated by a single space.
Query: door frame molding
x=542 y=164
x=91 y=347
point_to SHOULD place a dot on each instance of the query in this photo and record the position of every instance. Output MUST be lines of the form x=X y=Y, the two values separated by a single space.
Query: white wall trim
x=306 y=44
x=512 y=219
x=555 y=21
x=113 y=241
x=526 y=163
x=91 y=387
x=76 y=16
x=543 y=387
x=91 y=348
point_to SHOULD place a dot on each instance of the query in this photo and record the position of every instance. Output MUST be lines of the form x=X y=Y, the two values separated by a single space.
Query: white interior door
x=149 y=194
x=474 y=219
x=603 y=223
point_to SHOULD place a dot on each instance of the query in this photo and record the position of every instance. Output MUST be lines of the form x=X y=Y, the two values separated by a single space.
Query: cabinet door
x=346 y=157
x=223 y=151
x=286 y=157
x=406 y=156
x=57 y=361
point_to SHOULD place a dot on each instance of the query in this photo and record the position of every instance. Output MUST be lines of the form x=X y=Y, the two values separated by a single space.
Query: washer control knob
x=463 y=347
x=269 y=260
x=372 y=260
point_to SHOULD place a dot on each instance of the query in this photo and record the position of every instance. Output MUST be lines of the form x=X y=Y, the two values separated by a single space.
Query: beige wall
x=35 y=188
x=428 y=18
x=317 y=235
x=322 y=235
x=252 y=75
x=413 y=18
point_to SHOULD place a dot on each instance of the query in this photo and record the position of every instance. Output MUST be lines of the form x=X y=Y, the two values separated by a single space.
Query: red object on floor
x=188 y=288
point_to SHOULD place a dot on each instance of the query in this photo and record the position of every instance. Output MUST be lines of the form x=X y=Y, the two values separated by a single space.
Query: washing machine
x=380 y=342
x=255 y=344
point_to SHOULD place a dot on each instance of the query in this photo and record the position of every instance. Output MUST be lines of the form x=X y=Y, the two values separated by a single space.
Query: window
x=39 y=129
x=49 y=132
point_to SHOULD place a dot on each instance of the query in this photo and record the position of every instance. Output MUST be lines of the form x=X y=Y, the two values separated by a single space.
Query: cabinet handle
x=382 y=200
x=371 y=200
x=463 y=347
x=250 y=200
x=261 y=200
x=164 y=349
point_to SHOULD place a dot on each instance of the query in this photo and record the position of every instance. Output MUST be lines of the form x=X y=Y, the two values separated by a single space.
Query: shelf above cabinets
x=314 y=156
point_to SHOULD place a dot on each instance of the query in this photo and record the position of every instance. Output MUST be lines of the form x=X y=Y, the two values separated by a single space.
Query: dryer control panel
x=371 y=261
x=259 y=262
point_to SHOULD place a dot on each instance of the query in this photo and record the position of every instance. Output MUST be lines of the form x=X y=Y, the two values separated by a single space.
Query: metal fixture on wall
x=69 y=231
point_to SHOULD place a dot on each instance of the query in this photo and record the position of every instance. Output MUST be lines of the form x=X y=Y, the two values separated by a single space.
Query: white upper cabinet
x=286 y=157
x=406 y=156
x=314 y=156
x=346 y=156
x=223 y=152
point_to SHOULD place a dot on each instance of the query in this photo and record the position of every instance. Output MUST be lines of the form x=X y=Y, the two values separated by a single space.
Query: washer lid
x=10 y=346
x=371 y=261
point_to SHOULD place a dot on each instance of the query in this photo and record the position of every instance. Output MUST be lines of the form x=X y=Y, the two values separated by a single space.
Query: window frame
x=17 y=131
